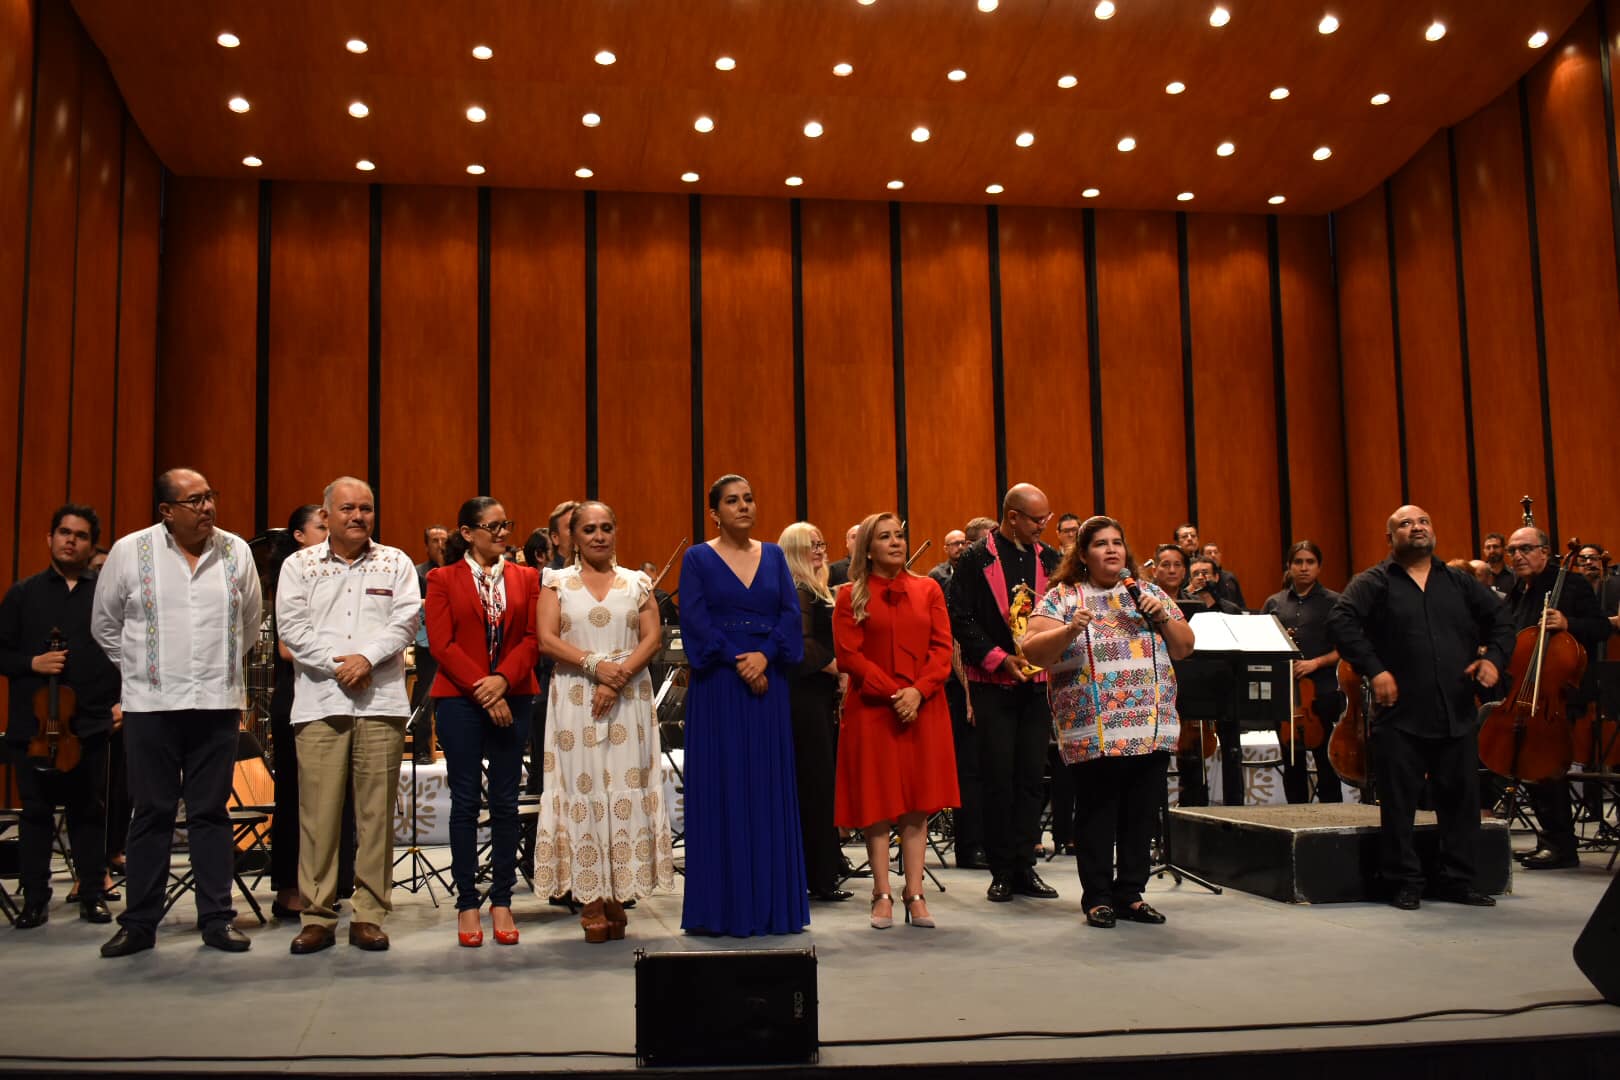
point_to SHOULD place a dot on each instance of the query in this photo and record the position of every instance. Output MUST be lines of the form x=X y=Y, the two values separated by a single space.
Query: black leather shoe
x=1407 y=898
x=1030 y=884
x=831 y=895
x=127 y=942
x=1551 y=860
x=1142 y=913
x=226 y=938
x=1000 y=891
x=32 y=915
x=1526 y=856
x=972 y=859
x=1102 y=916
x=1464 y=894
x=94 y=911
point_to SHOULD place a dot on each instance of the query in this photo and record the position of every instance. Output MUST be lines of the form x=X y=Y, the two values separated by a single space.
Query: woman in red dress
x=896 y=764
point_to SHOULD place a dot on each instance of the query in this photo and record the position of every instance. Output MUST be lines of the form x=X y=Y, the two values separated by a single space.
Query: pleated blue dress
x=744 y=851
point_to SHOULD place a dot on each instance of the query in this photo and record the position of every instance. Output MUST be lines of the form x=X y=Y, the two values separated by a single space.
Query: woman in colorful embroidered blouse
x=1113 y=696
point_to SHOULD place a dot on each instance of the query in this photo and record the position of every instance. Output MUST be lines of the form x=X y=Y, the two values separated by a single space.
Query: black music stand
x=669 y=712
x=423 y=872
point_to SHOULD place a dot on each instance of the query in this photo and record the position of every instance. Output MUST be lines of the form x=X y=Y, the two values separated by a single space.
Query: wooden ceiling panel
x=418 y=77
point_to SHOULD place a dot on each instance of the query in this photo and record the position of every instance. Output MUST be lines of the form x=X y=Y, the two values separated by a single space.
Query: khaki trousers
x=332 y=752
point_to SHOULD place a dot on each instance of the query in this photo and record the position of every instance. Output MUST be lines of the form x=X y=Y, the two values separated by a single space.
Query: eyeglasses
x=1524 y=549
x=195 y=503
x=818 y=545
x=495 y=527
x=1039 y=521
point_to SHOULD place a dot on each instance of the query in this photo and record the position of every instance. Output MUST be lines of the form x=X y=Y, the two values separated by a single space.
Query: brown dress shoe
x=368 y=936
x=312 y=938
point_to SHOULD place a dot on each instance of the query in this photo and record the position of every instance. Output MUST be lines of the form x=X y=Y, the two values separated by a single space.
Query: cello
x=54 y=747
x=1303 y=729
x=1347 y=746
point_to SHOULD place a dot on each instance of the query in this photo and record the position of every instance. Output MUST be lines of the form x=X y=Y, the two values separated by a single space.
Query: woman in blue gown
x=740 y=628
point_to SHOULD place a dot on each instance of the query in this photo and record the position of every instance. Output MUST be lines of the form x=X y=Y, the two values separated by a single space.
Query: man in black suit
x=838 y=572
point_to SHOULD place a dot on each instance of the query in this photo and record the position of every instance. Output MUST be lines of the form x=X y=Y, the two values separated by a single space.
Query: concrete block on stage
x=1314 y=853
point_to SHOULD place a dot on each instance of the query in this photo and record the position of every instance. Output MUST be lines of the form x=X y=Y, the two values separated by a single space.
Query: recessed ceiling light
x=1175 y=87
x=583 y=173
x=956 y=75
x=866 y=3
x=482 y=52
x=1025 y=138
x=1104 y=10
x=1322 y=153
x=1126 y=145
x=1091 y=193
x=229 y=40
x=1277 y=200
x=988 y=6
x=1278 y=93
x=590 y=119
x=725 y=63
x=605 y=58
x=358 y=110
x=1067 y=82
x=794 y=181
x=1328 y=24
x=895 y=185
x=239 y=104
x=250 y=161
x=355 y=45
x=476 y=114
x=1537 y=39
x=703 y=124
x=842 y=69
x=1380 y=99
x=1186 y=196
x=1226 y=149
x=813 y=129
x=1219 y=17
x=994 y=189
x=364 y=165
x=689 y=177
x=476 y=170
x=919 y=134
x=1435 y=32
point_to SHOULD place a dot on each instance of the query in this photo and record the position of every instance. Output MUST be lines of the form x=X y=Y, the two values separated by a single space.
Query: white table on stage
x=1262 y=774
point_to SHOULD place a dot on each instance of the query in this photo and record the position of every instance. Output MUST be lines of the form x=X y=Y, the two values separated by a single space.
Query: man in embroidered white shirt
x=346 y=609
x=176 y=608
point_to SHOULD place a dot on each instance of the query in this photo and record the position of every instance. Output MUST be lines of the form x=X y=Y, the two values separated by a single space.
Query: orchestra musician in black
x=1303 y=609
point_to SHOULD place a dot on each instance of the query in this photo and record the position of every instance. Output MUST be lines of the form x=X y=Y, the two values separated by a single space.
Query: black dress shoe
x=1000 y=891
x=282 y=911
x=1547 y=859
x=831 y=895
x=127 y=942
x=1526 y=856
x=1142 y=913
x=226 y=938
x=1465 y=894
x=32 y=915
x=1102 y=916
x=94 y=911
x=1407 y=898
x=1029 y=883
x=972 y=859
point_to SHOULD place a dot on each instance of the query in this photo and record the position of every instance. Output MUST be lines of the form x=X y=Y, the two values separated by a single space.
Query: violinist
x=1529 y=554
x=1303 y=609
x=1593 y=564
x=1414 y=628
x=58 y=598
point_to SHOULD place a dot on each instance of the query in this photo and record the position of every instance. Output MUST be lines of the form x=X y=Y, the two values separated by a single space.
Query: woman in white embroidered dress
x=1113 y=696
x=604 y=829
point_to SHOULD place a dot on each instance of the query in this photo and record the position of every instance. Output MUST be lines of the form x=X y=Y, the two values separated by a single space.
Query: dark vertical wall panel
x=1315 y=432
x=1431 y=349
x=1506 y=399
x=537 y=352
x=1043 y=339
x=429 y=407
x=137 y=335
x=95 y=316
x=950 y=431
x=848 y=366
x=16 y=122
x=644 y=371
x=1139 y=332
x=1581 y=300
x=1367 y=342
x=1235 y=394
x=748 y=353
x=319 y=255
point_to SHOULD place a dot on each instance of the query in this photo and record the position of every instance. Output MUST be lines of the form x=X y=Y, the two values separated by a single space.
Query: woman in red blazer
x=480 y=623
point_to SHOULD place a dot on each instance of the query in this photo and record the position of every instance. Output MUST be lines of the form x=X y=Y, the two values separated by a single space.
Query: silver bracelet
x=588 y=665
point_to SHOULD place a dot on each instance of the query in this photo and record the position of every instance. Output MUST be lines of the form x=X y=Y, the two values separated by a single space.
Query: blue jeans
x=470 y=738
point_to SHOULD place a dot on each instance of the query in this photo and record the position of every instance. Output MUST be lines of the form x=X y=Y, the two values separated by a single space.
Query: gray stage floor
x=1030 y=964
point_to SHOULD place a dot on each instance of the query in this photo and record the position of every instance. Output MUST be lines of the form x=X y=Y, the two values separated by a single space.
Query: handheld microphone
x=1134 y=589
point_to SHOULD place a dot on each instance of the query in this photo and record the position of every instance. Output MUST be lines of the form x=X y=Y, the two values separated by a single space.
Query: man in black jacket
x=1012 y=721
x=1415 y=628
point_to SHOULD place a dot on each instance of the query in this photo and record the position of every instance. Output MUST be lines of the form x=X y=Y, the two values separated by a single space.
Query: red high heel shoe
x=470 y=939
x=504 y=937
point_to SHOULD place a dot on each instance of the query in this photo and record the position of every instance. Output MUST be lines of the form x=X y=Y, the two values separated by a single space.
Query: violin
x=1199 y=736
x=1303 y=726
x=54 y=746
x=1347 y=747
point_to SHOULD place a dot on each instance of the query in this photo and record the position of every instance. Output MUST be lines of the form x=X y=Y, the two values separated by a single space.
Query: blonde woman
x=896 y=762
x=813 y=702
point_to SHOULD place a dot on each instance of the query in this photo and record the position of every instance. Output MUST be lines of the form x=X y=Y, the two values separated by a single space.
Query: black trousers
x=1063 y=799
x=82 y=792
x=284 y=822
x=815 y=764
x=118 y=805
x=1555 y=817
x=1118 y=807
x=1451 y=765
x=1014 y=728
x=420 y=727
x=969 y=817
x=1296 y=767
x=188 y=754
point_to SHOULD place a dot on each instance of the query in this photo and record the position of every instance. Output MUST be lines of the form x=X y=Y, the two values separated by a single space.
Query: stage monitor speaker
x=740 y=1007
x=1597 y=950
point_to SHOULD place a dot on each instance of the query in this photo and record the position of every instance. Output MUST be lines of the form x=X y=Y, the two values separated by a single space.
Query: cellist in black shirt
x=1303 y=608
x=1414 y=627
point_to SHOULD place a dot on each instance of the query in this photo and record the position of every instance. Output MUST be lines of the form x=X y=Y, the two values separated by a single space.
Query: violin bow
x=671 y=561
